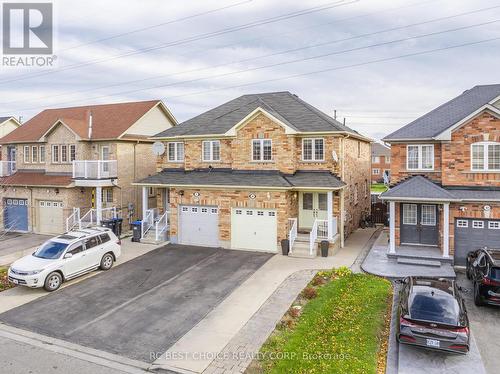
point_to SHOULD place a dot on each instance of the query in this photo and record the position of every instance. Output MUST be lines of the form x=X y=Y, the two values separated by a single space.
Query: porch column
x=342 y=220
x=98 y=205
x=144 y=201
x=446 y=230
x=329 y=209
x=392 y=227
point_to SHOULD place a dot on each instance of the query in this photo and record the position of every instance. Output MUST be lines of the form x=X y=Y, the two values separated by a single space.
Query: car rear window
x=104 y=238
x=430 y=304
x=495 y=273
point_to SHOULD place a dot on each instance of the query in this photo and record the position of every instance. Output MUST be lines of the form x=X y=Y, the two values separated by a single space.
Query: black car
x=432 y=314
x=483 y=268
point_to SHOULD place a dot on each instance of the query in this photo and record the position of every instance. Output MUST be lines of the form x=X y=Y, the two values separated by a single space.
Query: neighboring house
x=73 y=165
x=445 y=176
x=7 y=125
x=381 y=163
x=258 y=169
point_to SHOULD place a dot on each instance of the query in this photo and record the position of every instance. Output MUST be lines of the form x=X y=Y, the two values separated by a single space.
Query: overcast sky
x=195 y=55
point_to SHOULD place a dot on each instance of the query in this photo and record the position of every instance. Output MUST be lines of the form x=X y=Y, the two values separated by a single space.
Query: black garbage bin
x=107 y=223
x=136 y=231
x=118 y=226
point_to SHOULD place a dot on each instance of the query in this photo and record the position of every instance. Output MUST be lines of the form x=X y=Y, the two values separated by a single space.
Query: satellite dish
x=335 y=156
x=158 y=148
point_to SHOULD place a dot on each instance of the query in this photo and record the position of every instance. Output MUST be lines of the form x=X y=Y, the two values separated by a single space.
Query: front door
x=312 y=206
x=419 y=224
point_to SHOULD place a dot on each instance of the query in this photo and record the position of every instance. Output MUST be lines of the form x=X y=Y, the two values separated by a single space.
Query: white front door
x=254 y=229
x=312 y=206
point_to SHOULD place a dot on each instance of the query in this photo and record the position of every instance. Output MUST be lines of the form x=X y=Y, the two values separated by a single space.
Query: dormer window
x=485 y=156
x=420 y=157
x=262 y=150
x=313 y=149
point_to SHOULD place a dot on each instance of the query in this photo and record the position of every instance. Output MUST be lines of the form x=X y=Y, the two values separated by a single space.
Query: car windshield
x=434 y=305
x=495 y=273
x=50 y=250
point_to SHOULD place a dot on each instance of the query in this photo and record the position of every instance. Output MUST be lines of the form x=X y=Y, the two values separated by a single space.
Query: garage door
x=15 y=214
x=471 y=234
x=199 y=225
x=254 y=229
x=50 y=217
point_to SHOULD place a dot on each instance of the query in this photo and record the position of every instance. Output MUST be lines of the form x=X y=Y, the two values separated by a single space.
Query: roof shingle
x=36 y=178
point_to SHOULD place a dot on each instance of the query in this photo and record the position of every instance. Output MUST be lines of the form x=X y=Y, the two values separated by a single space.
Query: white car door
x=93 y=248
x=76 y=263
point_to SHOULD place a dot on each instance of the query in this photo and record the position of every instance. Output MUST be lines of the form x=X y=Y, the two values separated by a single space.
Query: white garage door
x=254 y=229
x=199 y=225
x=50 y=217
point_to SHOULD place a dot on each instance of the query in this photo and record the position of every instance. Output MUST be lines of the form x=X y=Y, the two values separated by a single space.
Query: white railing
x=73 y=220
x=161 y=225
x=322 y=228
x=312 y=238
x=292 y=234
x=108 y=213
x=7 y=168
x=334 y=227
x=89 y=218
x=147 y=222
x=95 y=169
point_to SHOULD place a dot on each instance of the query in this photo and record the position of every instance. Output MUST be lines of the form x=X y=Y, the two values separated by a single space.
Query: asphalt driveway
x=142 y=306
x=11 y=242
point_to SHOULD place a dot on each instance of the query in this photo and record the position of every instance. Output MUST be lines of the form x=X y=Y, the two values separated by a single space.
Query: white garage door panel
x=199 y=225
x=50 y=217
x=254 y=229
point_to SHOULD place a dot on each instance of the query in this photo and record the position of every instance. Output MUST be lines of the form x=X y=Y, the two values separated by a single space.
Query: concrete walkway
x=196 y=350
x=378 y=263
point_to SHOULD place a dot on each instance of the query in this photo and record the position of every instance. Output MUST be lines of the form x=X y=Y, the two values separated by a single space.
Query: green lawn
x=339 y=331
x=378 y=187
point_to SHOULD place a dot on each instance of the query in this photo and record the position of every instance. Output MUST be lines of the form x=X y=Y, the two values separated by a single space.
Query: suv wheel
x=53 y=281
x=106 y=261
x=477 y=296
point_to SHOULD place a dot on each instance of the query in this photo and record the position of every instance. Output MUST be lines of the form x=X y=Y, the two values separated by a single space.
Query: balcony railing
x=7 y=168
x=94 y=169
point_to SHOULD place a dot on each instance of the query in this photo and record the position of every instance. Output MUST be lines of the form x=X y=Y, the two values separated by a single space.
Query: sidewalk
x=217 y=330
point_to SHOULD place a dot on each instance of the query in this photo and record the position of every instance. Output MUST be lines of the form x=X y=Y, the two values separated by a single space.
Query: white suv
x=65 y=257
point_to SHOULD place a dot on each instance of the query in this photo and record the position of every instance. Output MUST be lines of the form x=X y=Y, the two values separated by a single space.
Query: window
x=55 y=154
x=409 y=214
x=249 y=213
x=307 y=201
x=262 y=150
x=204 y=210
x=313 y=149
x=387 y=159
x=260 y=213
x=238 y=211
x=211 y=150
x=485 y=156
x=462 y=223
x=494 y=225
x=322 y=201
x=420 y=157
x=428 y=215
x=104 y=238
x=107 y=195
x=214 y=210
x=72 y=153
x=26 y=154
x=375 y=171
x=375 y=159
x=42 y=154
x=64 y=153
x=176 y=152
x=77 y=248
x=478 y=224
x=91 y=242
x=34 y=154
x=151 y=192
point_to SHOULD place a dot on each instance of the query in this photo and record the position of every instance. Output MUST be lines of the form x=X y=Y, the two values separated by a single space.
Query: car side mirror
x=400 y=281
x=68 y=255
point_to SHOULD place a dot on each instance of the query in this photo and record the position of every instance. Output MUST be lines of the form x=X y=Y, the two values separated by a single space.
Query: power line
x=272 y=54
x=189 y=39
x=286 y=62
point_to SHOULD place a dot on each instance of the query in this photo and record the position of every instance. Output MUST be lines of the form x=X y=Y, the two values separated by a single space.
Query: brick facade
x=383 y=165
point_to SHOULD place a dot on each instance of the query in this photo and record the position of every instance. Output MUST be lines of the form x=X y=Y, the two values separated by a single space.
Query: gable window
x=64 y=153
x=211 y=150
x=313 y=149
x=375 y=159
x=420 y=157
x=26 y=154
x=55 y=154
x=72 y=152
x=485 y=156
x=42 y=154
x=262 y=150
x=176 y=152
x=34 y=154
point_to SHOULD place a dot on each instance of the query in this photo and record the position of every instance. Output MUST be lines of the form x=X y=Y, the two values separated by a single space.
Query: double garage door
x=253 y=229
x=471 y=234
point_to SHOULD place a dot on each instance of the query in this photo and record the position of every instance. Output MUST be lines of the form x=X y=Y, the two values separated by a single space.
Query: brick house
x=73 y=166
x=445 y=176
x=7 y=125
x=381 y=162
x=259 y=169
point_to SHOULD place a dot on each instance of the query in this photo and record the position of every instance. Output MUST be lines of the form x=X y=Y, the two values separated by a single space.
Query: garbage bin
x=136 y=231
x=118 y=226
x=107 y=223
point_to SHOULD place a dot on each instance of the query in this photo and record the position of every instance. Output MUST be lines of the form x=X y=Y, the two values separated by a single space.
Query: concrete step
x=420 y=257
x=301 y=250
x=150 y=238
x=419 y=262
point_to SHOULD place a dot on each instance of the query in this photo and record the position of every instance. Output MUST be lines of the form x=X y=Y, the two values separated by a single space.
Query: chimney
x=90 y=125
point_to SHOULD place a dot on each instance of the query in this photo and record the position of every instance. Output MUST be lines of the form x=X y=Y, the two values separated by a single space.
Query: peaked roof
x=285 y=106
x=445 y=116
x=380 y=150
x=418 y=188
x=3 y=119
x=109 y=121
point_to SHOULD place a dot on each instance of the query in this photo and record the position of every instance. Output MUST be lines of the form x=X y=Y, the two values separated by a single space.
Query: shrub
x=294 y=311
x=318 y=280
x=342 y=272
x=310 y=293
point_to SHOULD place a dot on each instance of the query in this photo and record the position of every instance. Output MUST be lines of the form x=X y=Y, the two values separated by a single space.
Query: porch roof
x=36 y=178
x=476 y=194
x=418 y=188
x=244 y=178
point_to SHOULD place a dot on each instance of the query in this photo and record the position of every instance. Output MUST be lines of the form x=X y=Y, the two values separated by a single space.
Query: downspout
x=342 y=194
x=136 y=200
x=32 y=209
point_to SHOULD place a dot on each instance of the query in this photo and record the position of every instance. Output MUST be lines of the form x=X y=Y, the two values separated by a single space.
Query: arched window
x=485 y=156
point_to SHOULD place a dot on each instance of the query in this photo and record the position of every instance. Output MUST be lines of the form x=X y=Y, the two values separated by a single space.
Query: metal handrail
x=160 y=229
x=147 y=222
x=73 y=220
x=292 y=234
x=322 y=228
x=91 y=213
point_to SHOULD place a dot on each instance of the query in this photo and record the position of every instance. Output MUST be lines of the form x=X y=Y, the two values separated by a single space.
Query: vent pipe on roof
x=90 y=125
x=334 y=114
